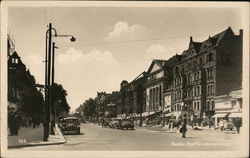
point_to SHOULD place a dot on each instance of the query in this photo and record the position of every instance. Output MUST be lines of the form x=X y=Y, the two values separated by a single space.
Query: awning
x=169 y=114
x=148 y=113
x=151 y=113
x=144 y=114
x=220 y=115
x=239 y=114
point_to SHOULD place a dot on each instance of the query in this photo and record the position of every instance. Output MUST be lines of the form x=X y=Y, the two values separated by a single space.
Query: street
x=94 y=137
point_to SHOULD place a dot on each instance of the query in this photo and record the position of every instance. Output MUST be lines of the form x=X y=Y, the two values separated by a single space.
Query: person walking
x=238 y=124
x=183 y=128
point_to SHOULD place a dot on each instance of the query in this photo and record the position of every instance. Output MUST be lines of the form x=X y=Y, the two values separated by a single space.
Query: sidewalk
x=174 y=130
x=28 y=136
x=154 y=128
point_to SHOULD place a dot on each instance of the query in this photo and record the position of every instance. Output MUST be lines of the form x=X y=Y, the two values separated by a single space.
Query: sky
x=112 y=43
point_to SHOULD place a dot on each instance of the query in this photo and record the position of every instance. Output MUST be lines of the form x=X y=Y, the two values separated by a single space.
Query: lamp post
x=49 y=78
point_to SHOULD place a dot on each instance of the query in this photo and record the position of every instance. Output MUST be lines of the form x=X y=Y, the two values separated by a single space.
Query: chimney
x=241 y=32
x=191 y=39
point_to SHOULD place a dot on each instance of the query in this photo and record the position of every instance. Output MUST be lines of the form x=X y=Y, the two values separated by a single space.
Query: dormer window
x=189 y=65
x=209 y=57
x=176 y=70
x=14 y=60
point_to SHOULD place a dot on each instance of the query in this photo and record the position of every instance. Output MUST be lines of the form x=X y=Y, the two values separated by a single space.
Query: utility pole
x=47 y=84
x=52 y=88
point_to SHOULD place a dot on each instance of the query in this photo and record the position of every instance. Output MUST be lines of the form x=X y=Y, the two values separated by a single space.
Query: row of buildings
x=204 y=82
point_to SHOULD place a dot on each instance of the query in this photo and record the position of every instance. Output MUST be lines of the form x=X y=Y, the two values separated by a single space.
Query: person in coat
x=183 y=128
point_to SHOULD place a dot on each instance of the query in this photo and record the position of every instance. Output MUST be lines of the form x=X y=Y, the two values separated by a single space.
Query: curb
x=42 y=143
x=36 y=144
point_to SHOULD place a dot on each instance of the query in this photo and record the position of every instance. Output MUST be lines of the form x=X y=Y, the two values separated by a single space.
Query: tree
x=59 y=99
x=88 y=108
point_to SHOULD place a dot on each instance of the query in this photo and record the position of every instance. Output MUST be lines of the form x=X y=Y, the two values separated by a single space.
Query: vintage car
x=126 y=124
x=229 y=125
x=114 y=123
x=70 y=125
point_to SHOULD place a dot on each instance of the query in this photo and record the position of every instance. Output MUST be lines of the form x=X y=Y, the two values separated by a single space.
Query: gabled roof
x=197 y=46
x=215 y=40
x=161 y=62
x=15 y=55
x=139 y=76
x=173 y=60
x=158 y=62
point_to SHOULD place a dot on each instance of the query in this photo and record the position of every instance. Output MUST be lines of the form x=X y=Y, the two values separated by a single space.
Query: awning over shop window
x=169 y=114
x=220 y=115
x=148 y=113
x=239 y=114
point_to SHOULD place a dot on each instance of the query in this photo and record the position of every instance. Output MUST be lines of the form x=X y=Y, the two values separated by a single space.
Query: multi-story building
x=207 y=69
x=107 y=103
x=132 y=97
x=159 y=77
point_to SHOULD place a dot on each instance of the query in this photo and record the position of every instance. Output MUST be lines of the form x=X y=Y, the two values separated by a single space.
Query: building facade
x=132 y=100
x=228 y=106
x=159 y=77
x=207 y=69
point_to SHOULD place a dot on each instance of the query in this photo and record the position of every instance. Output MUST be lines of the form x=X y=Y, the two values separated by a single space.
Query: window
x=208 y=105
x=198 y=90
x=212 y=89
x=201 y=62
x=209 y=57
x=194 y=105
x=198 y=105
x=212 y=105
x=189 y=65
x=176 y=70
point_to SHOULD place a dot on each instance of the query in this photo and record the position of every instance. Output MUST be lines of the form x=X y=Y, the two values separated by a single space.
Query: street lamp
x=48 y=78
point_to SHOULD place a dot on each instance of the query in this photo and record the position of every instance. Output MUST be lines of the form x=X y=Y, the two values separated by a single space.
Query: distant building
x=106 y=104
x=132 y=97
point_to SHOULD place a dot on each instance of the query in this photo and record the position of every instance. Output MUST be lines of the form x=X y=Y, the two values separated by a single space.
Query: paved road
x=94 y=137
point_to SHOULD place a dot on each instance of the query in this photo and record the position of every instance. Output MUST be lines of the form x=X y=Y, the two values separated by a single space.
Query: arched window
x=208 y=105
x=209 y=57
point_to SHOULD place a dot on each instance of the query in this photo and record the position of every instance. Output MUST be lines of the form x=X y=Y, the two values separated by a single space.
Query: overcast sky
x=97 y=61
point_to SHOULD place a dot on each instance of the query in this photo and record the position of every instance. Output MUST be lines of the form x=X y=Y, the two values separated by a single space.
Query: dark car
x=70 y=125
x=126 y=124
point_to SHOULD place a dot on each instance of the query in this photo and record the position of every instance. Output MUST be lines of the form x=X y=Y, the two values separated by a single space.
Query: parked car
x=229 y=125
x=126 y=124
x=114 y=123
x=70 y=125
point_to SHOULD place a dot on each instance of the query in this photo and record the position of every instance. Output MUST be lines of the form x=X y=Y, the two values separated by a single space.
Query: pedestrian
x=183 y=128
x=221 y=124
x=237 y=124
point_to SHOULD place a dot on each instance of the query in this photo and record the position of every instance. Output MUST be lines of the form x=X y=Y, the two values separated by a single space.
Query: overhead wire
x=133 y=41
